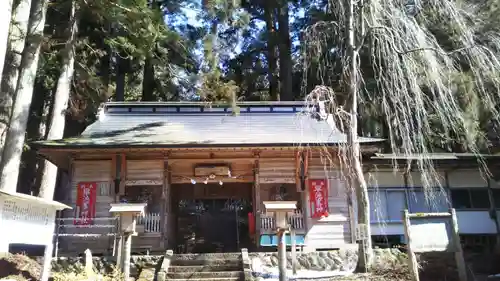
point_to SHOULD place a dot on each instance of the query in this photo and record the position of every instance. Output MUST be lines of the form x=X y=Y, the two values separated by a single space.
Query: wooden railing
x=72 y=238
x=267 y=223
x=150 y=223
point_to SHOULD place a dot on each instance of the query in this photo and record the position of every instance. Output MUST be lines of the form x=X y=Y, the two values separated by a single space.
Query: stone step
x=207 y=256
x=210 y=279
x=209 y=262
x=205 y=275
x=205 y=268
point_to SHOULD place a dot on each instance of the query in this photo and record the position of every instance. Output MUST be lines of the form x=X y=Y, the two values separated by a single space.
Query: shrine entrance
x=213 y=218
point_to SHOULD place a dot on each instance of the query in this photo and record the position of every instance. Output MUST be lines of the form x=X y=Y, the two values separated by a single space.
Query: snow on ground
x=272 y=274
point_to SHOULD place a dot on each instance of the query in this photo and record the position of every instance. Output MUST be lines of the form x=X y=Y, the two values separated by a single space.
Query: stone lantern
x=128 y=213
x=280 y=211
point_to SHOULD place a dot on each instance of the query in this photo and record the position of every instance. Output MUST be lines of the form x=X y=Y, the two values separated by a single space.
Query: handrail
x=296 y=221
x=150 y=221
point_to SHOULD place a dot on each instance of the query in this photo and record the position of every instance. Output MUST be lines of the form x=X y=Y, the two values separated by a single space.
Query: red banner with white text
x=85 y=202
x=318 y=198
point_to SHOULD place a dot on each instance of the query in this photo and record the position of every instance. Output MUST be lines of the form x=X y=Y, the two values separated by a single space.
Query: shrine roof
x=185 y=124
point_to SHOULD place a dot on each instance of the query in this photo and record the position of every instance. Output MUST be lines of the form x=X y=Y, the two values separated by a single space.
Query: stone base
x=104 y=265
x=337 y=260
x=436 y=266
x=344 y=260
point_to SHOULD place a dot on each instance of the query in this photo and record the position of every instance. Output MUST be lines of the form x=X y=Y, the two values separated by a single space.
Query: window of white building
x=387 y=205
x=470 y=198
x=496 y=197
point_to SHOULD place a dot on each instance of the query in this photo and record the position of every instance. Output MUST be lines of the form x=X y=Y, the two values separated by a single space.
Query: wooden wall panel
x=334 y=230
x=277 y=170
x=183 y=172
x=328 y=235
x=268 y=193
x=93 y=171
x=381 y=178
x=212 y=191
x=467 y=179
x=145 y=169
x=90 y=171
x=229 y=154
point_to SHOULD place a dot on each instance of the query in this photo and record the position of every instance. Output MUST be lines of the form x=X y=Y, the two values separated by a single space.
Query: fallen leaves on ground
x=19 y=267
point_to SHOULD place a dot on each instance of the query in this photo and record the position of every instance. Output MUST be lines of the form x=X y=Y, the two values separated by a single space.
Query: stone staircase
x=206 y=267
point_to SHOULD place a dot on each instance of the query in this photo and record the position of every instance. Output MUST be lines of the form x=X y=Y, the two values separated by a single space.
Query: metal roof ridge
x=206 y=104
x=162 y=108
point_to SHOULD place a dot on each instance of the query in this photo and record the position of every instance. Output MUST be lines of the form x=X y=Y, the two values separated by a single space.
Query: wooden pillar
x=350 y=210
x=459 y=254
x=165 y=205
x=298 y=168
x=68 y=191
x=308 y=222
x=113 y=180
x=305 y=193
x=56 y=238
x=123 y=174
x=257 y=202
x=119 y=249
x=447 y=188
x=293 y=250
x=406 y=188
x=113 y=175
x=47 y=260
x=282 y=254
x=412 y=259
x=119 y=178
x=126 y=257
x=493 y=214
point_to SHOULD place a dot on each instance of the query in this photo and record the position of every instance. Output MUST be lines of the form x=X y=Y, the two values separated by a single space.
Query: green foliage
x=228 y=15
x=110 y=29
x=137 y=30
x=214 y=89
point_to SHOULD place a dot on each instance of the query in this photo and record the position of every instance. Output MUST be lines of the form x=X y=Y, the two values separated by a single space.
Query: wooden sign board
x=215 y=169
x=361 y=232
x=431 y=234
x=25 y=219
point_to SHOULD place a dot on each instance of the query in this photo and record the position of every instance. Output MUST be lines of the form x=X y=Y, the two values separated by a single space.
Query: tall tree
x=354 y=38
x=148 y=81
x=414 y=69
x=14 y=142
x=15 y=46
x=270 y=18
x=223 y=20
x=60 y=102
x=5 y=16
x=285 y=51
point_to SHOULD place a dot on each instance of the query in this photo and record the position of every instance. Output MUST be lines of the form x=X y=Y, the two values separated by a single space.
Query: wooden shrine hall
x=202 y=169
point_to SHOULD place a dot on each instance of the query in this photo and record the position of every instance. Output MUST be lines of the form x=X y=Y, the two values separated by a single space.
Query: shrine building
x=204 y=173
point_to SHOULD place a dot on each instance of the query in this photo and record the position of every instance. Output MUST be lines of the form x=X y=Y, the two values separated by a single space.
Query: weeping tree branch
x=419 y=95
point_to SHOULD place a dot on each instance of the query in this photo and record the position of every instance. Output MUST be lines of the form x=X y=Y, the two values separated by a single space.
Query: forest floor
x=19 y=268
